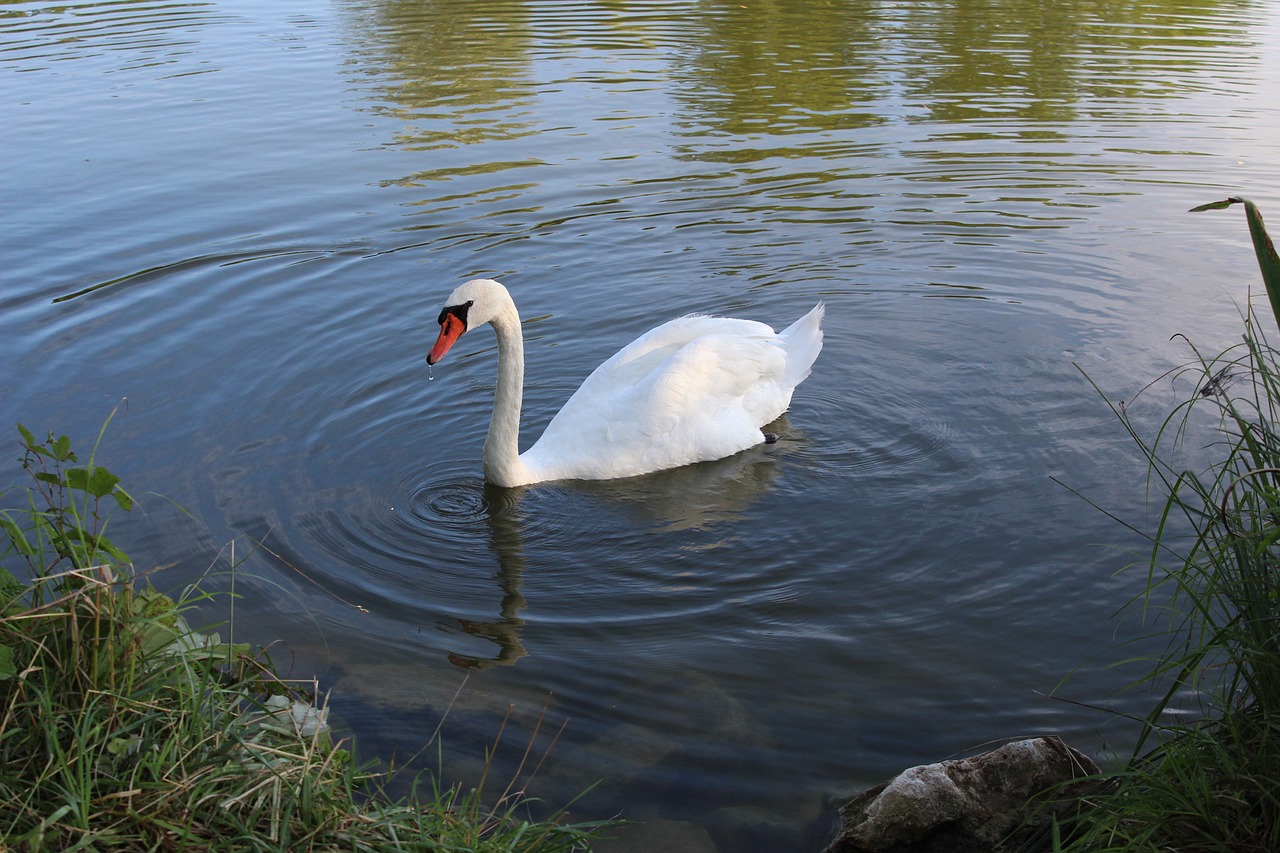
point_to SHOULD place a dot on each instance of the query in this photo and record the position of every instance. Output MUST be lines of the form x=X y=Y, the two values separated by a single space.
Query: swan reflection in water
x=502 y=513
x=692 y=497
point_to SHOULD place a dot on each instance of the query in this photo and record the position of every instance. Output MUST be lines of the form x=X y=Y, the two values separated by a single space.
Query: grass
x=1207 y=778
x=122 y=728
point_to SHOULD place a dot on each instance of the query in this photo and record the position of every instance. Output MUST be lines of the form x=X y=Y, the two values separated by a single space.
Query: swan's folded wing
x=644 y=356
x=664 y=406
x=712 y=384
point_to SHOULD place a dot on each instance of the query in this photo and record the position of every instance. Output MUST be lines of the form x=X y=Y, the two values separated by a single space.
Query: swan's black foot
x=770 y=438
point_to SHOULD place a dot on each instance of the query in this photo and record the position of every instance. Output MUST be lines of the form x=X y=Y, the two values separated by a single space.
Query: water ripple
x=459 y=505
x=257 y=266
x=132 y=35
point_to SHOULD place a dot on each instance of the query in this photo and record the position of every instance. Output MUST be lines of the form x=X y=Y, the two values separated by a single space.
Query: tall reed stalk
x=1208 y=777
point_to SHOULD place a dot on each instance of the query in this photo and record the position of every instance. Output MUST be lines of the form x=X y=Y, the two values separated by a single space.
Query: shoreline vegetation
x=122 y=727
x=1205 y=773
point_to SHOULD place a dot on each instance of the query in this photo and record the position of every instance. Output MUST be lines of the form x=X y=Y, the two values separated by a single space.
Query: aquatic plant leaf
x=10 y=587
x=1214 y=205
x=17 y=539
x=1268 y=261
x=61 y=449
x=123 y=498
x=77 y=478
x=101 y=482
x=96 y=481
x=102 y=543
x=157 y=605
x=155 y=637
x=7 y=668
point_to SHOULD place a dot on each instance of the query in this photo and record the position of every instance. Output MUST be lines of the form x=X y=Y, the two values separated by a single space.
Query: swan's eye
x=459 y=311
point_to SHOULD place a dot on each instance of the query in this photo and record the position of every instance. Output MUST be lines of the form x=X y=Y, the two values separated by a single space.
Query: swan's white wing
x=642 y=357
x=694 y=389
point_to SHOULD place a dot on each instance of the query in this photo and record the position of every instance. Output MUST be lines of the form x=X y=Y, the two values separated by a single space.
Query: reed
x=123 y=728
x=1207 y=778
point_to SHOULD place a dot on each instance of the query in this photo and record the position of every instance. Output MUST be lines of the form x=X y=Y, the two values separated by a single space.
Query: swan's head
x=473 y=304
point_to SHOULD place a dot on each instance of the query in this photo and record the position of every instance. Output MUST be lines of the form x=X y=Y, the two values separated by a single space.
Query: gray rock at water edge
x=969 y=805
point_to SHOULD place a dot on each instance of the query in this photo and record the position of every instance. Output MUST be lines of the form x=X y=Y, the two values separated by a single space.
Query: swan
x=694 y=389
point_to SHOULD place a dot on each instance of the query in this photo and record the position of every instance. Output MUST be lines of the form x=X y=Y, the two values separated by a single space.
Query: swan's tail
x=803 y=341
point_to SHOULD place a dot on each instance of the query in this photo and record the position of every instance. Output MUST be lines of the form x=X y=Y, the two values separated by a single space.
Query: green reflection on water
x=460 y=73
x=965 y=120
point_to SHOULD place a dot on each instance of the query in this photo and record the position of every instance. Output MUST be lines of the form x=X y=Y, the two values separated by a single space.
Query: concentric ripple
x=458 y=505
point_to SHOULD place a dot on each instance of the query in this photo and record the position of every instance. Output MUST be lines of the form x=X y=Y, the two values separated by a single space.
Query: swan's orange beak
x=451 y=328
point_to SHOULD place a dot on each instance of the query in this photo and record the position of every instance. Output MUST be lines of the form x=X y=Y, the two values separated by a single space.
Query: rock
x=962 y=806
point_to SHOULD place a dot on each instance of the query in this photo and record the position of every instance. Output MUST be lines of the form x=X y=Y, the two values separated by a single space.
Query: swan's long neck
x=502 y=464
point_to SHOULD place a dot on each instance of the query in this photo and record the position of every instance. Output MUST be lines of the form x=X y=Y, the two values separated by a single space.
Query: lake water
x=243 y=218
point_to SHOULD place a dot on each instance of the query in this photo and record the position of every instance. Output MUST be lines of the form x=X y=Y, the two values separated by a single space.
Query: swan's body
x=691 y=390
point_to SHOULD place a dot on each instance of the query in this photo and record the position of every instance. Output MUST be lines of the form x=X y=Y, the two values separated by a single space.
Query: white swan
x=691 y=390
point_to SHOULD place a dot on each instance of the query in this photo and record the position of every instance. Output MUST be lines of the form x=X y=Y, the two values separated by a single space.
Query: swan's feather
x=691 y=390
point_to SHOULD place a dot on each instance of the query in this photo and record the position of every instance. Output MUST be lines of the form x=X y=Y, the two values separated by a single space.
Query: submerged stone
x=963 y=806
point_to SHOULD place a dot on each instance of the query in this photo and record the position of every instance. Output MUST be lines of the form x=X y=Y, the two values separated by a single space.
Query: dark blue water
x=241 y=219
